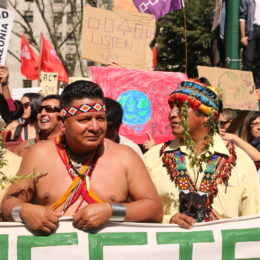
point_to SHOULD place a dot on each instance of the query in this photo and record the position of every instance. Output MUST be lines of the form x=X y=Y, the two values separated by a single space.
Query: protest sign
x=73 y=79
x=118 y=36
x=236 y=86
x=143 y=96
x=220 y=240
x=6 y=24
x=126 y=5
x=48 y=83
x=17 y=93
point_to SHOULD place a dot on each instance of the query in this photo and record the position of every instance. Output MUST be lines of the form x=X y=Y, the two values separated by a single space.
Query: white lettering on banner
x=217 y=240
x=25 y=53
x=144 y=6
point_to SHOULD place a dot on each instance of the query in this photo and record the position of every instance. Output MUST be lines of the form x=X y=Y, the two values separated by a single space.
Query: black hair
x=14 y=115
x=35 y=102
x=78 y=90
x=114 y=113
x=52 y=97
x=4 y=109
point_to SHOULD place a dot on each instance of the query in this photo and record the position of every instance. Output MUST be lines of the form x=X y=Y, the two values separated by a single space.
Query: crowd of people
x=92 y=173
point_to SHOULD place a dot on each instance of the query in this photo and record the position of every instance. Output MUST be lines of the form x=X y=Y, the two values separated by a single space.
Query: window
x=28 y=15
x=58 y=36
x=28 y=0
x=57 y=17
x=70 y=39
x=69 y=18
x=58 y=1
x=27 y=83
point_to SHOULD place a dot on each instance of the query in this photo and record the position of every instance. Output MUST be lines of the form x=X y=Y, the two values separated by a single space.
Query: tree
x=54 y=14
x=170 y=37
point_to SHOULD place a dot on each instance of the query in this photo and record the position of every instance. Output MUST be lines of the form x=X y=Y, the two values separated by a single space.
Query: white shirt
x=257 y=12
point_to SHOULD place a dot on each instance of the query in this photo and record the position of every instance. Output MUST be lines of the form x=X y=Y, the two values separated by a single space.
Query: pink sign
x=143 y=96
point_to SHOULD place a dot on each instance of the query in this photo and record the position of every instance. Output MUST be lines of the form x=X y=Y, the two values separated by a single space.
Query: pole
x=232 y=34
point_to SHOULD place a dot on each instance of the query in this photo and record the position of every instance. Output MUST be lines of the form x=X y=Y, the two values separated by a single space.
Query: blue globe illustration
x=137 y=107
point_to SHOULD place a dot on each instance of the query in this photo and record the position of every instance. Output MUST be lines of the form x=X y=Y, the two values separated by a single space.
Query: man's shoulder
x=41 y=148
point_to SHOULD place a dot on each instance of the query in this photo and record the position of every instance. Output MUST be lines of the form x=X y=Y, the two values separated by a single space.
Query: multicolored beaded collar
x=217 y=171
x=75 y=110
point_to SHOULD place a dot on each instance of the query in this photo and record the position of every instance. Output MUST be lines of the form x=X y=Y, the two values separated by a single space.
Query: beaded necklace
x=217 y=171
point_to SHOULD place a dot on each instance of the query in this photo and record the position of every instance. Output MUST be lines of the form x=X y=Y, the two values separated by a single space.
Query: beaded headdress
x=199 y=96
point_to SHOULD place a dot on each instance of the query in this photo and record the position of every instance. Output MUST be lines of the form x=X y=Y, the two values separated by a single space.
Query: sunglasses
x=26 y=105
x=49 y=109
x=222 y=123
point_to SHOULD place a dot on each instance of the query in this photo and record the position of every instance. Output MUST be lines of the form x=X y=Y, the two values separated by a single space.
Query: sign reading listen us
x=226 y=240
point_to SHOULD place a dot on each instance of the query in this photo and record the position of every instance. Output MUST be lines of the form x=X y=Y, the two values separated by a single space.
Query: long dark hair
x=247 y=135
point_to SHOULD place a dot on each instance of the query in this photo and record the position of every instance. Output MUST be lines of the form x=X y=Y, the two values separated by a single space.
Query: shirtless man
x=116 y=173
x=49 y=122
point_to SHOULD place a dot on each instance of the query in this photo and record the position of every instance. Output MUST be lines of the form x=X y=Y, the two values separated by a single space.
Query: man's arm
x=243 y=19
x=19 y=196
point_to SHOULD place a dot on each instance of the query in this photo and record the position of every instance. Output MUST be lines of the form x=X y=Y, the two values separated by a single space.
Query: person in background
x=198 y=176
x=49 y=123
x=225 y=118
x=114 y=120
x=250 y=36
x=25 y=127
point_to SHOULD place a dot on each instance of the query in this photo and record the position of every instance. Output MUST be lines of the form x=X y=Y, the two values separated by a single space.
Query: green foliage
x=170 y=37
x=5 y=180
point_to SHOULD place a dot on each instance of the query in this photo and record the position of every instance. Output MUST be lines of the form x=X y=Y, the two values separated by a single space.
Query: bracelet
x=118 y=212
x=16 y=214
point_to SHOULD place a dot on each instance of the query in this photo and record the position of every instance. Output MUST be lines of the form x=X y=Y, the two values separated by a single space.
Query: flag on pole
x=50 y=61
x=29 y=60
x=158 y=8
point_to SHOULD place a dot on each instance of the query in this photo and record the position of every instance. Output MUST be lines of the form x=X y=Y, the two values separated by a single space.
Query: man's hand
x=4 y=75
x=244 y=40
x=39 y=219
x=92 y=216
x=182 y=220
x=150 y=142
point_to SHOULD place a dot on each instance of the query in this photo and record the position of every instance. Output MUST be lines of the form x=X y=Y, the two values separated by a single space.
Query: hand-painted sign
x=119 y=37
x=48 y=83
x=227 y=240
x=143 y=96
x=6 y=24
x=237 y=87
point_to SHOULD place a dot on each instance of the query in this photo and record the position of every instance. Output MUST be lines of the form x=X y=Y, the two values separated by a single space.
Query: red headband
x=75 y=110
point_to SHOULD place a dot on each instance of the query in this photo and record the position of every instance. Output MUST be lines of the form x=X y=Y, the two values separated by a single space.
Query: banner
x=158 y=8
x=236 y=86
x=119 y=37
x=48 y=83
x=144 y=98
x=6 y=25
x=17 y=93
x=221 y=240
x=125 y=5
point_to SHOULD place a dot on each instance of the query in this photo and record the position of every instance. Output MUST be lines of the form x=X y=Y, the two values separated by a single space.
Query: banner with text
x=237 y=86
x=49 y=83
x=6 y=25
x=119 y=37
x=227 y=240
x=144 y=98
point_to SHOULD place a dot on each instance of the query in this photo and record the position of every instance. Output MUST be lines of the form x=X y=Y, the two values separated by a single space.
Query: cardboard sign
x=228 y=240
x=237 y=87
x=48 y=83
x=125 y=5
x=6 y=25
x=73 y=79
x=144 y=98
x=118 y=36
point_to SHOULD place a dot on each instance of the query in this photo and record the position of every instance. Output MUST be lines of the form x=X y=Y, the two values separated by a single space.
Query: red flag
x=29 y=60
x=50 y=61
